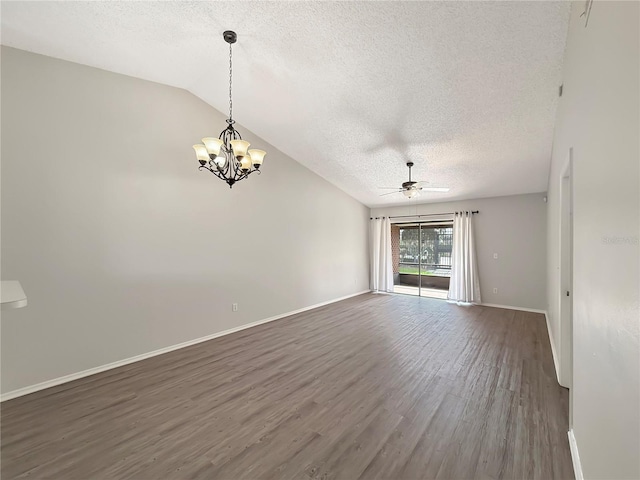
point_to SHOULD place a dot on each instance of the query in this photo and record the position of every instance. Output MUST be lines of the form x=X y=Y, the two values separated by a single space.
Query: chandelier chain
x=230 y=84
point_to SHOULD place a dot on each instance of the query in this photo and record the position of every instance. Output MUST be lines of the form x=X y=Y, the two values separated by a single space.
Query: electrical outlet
x=495 y=290
x=234 y=307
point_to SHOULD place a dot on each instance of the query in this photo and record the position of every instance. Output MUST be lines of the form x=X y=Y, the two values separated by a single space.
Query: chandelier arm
x=221 y=172
x=216 y=173
x=211 y=170
x=238 y=168
x=238 y=173
x=241 y=174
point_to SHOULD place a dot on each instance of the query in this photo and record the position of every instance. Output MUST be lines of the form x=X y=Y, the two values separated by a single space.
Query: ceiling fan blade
x=389 y=188
x=397 y=191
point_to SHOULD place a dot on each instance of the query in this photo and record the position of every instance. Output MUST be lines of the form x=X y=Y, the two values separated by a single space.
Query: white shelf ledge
x=12 y=295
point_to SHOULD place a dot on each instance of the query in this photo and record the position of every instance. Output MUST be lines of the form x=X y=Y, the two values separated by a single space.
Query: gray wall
x=514 y=227
x=598 y=116
x=123 y=247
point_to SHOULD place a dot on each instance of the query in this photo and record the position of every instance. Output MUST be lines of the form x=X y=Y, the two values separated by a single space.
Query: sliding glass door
x=422 y=258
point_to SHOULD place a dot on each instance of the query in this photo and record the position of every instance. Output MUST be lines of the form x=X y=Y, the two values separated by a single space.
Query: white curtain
x=464 y=287
x=381 y=263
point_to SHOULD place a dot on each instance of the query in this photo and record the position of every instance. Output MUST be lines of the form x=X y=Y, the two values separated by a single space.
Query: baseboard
x=575 y=456
x=510 y=307
x=102 y=368
x=556 y=362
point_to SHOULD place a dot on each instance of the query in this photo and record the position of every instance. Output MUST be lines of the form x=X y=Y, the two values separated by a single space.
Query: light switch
x=495 y=255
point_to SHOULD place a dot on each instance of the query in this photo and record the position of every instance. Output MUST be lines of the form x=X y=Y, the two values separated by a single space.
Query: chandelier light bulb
x=201 y=153
x=213 y=145
x=257 y=156
x=245 y=163
x=239 y=147
x=220 y=161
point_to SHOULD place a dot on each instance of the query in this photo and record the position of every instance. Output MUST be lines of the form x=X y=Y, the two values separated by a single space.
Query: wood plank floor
x=374 y=387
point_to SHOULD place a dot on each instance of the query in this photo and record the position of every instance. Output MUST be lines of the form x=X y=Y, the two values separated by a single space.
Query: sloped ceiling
x=352 y=90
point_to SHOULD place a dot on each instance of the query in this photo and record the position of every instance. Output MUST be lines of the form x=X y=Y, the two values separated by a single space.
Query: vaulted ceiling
x=352 y=90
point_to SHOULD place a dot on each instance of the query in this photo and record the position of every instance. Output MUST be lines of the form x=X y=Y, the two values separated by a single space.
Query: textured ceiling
x=352 y=90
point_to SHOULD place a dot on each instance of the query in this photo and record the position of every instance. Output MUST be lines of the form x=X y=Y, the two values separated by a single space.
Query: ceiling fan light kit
x=228 y=157
x=411 y=193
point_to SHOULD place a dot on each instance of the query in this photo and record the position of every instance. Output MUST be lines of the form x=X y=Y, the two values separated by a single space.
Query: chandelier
x=227 y=156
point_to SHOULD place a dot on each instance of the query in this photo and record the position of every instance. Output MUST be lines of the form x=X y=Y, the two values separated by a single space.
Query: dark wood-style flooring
x=374 y=387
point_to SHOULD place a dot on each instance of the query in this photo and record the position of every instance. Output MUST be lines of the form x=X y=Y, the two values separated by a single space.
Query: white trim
x=509 y=307
x=556 y=363
x=575 y=456
x=102 y=368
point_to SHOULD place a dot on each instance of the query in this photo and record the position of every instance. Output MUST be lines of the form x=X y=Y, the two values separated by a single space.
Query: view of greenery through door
x=423 y=258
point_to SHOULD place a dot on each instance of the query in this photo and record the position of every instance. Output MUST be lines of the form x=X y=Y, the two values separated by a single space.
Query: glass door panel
x=407 y=260
x=435 y=260
x=422 y=258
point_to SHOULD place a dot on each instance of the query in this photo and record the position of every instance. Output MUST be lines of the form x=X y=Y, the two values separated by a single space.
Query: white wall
x=124 y=247
x=598 y=116
x=514 y=227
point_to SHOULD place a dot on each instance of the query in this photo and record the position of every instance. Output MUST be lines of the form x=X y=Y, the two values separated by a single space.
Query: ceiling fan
x=412 y=189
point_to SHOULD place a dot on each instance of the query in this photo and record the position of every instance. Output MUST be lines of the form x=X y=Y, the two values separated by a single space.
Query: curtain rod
x=426 y=215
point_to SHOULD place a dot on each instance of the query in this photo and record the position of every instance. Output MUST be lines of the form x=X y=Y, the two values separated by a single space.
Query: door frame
x=565 y=293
